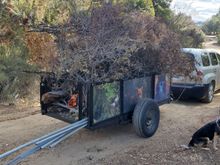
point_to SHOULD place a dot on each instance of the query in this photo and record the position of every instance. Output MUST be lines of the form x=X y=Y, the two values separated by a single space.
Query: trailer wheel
x=146 y=118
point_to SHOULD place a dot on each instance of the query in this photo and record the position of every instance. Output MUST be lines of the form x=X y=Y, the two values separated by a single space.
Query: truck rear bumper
x=189 y=90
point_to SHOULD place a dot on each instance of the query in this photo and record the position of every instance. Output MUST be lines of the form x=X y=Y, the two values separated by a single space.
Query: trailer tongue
x=50 y=140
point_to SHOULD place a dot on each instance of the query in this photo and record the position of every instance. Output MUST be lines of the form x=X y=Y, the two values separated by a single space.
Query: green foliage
x=212 y=26
x=144 y=5
x=137 y=4
x=150 y=7
x=162 y=9
x=110 y=90
x=13 y=56
x=25 y=9
x=13 y=82
x=190 y=34
x=58 y=11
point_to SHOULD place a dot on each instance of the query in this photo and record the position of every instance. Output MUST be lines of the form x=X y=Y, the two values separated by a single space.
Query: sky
x=200 y=10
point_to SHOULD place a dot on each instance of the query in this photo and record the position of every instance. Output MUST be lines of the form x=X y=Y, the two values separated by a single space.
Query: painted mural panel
x=134 y=90
x=106 y=102
x=162 y=87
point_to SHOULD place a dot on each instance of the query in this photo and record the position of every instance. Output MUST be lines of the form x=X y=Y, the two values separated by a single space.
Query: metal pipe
x=67 y=135
x=54 y=140
x=61 y=132
x=23 y=155
x=45 y=144
x=17 y=159
x=38 y=139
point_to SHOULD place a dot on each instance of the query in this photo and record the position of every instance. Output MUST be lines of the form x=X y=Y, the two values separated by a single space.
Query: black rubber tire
x=209 y=94
x=146 y=118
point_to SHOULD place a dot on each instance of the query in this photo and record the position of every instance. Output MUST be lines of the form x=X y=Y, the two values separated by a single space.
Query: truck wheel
x=209 y=94
x=146 y=118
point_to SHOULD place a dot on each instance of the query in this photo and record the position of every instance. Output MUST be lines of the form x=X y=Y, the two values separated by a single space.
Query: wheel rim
x=149 y=119
x=211 y=92
x=149 y=122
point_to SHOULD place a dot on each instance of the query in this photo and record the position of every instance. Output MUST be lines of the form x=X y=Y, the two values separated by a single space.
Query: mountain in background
x=200 y=23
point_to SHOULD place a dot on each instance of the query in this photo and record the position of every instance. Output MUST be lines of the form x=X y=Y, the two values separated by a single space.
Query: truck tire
x=146 y=118
x=209 y=93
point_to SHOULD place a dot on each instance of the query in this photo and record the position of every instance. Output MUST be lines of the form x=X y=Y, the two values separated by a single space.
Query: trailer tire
x=146 y=118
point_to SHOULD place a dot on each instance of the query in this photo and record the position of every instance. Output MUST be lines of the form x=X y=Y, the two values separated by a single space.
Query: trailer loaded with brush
x=134 y=100
x=94 y=105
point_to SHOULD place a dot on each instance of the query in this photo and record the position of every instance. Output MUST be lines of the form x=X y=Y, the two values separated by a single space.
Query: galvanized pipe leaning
x=51 y=139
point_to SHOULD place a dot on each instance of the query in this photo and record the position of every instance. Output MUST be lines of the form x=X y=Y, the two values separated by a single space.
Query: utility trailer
x=134 y=100
x=94 y=105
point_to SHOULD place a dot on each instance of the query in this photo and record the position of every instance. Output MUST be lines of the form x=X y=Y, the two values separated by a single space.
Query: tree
x=141 y=5
x=190 y=34
x=13 y=55
x=162 y=9
x=212 y=25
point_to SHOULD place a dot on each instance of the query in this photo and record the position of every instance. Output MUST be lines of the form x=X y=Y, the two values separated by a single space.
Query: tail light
x=199 y=73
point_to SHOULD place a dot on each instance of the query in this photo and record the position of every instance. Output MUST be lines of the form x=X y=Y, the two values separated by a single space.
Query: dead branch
x=108 y=43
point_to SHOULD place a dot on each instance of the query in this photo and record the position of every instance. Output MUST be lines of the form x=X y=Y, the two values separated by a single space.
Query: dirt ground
x=117 y=144
x=211 y=43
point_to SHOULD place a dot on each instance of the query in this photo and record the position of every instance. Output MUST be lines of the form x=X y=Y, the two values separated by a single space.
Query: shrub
x=13 y=57
x=110 y=44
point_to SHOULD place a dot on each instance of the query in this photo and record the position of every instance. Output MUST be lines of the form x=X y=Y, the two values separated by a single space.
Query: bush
x=13 y=57
x=14 y=83
x=191 y=36
x=110 y=43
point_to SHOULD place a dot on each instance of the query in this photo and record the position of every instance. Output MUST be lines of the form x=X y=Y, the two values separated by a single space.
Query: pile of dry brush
x=109 y=43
